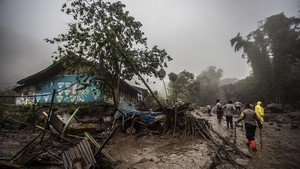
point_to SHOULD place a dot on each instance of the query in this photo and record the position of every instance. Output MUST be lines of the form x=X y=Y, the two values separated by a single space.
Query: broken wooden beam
x=5 y=163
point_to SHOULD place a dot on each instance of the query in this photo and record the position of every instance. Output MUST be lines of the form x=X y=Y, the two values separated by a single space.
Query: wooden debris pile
x=181 y=120
x=55 y=146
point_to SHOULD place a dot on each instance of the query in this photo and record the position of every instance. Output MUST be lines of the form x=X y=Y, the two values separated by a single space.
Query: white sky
x=195 y=33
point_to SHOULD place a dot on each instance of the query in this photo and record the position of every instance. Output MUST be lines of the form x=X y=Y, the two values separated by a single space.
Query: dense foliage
x=273 y=52
x=105 y=39
x=201 y=90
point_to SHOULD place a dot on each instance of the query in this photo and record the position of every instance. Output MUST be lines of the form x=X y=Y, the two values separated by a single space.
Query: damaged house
x=69 y=89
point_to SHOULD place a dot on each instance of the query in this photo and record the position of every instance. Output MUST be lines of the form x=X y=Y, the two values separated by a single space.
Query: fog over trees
x=272 y=51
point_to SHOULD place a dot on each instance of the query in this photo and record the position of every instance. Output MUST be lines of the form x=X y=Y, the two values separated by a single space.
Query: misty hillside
x=227 y=81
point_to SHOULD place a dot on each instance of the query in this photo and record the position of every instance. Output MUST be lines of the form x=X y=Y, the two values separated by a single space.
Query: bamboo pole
x=49 y=114
x=175 y=121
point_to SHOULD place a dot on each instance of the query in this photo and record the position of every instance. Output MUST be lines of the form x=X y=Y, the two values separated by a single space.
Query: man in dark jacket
x=250 y=118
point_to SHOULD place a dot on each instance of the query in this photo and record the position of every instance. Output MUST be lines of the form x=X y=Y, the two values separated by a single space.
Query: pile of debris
x=55 y=145
x=182 y=121
x=58 y=144
x=178 y=119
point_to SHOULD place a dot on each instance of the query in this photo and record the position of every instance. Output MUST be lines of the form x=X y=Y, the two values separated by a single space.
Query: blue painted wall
x=66 y=87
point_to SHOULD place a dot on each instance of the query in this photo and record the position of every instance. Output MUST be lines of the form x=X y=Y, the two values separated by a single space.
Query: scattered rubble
x=68 y=142
x=69 y=145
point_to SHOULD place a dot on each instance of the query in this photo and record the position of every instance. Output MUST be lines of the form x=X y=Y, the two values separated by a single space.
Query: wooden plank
x=89 y=151
x=82 y=153
x=9 y=164
x=89 y=161
x=65 y=161
x=69 y=159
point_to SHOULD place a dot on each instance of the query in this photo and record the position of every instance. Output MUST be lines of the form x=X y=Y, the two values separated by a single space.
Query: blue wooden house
x=68 y=88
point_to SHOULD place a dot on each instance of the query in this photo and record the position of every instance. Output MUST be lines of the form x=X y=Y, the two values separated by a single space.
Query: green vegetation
x=108 y=42
x=272 y=51
x=200 y=90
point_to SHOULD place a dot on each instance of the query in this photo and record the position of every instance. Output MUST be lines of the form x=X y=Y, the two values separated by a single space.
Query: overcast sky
x=195 y=33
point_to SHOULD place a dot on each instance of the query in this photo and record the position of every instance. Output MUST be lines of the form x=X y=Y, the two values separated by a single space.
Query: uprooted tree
x=105 y=40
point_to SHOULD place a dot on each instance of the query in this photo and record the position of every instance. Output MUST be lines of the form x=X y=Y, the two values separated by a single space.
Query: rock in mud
x=241 y=161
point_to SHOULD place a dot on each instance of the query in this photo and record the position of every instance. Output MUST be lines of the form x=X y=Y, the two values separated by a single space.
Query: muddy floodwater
x=161 y=152
x=280 y=147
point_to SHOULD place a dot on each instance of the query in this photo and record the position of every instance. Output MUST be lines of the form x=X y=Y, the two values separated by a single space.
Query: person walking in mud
x=251 y=121
x=208 y=109
x=259 y=110
x=229 y=109
x=219 y=108
x=238 y=106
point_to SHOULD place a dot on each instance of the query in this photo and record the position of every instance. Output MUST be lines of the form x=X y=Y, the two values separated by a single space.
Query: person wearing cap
x=251 y=121
x=259 y=110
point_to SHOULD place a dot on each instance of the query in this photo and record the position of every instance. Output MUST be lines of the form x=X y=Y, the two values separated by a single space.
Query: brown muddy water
x=281 y=148
x=161 y=152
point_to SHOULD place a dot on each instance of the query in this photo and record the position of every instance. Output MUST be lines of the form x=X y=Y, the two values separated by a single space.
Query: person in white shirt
x=229 y=109
x=208 y=109
x=219 y=108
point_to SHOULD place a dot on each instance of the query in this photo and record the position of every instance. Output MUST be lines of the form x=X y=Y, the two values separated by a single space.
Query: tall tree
x=201 y=90
x=162 y=74
x=272 y=51
x=104 y=37
x=283 y=37
x=212 y=73
x=209 y=81
x=179 y=84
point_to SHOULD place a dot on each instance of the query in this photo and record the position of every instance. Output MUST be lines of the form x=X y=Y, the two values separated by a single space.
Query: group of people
x=252 y=118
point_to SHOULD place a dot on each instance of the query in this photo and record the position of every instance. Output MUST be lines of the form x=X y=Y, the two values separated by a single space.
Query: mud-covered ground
x=161 y=152
x=280 y=147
